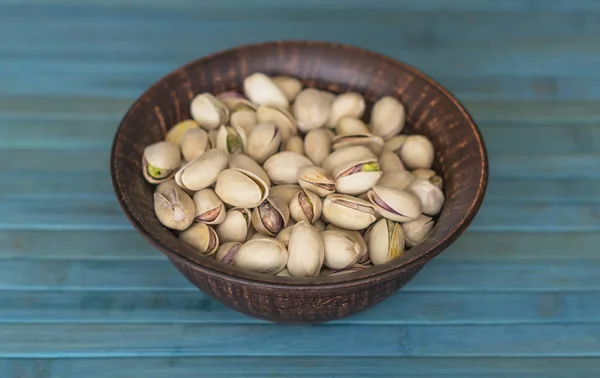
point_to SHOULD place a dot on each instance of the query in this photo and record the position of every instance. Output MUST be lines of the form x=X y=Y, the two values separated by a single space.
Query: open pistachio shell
x=357 y=176
x=350 y=126
x=263 y=142
x=417 y=152
x=387 y=117
x=174 y=208
x=227 y=251
x=208 y=111
x=284 y=121
x=235 y=225
x=346 y=155
x=263 y=255
x=390 y=162
x=417 y=230
x=231 y=139
x=271 y=216
x=399 y=180
x=393 y=204
x=317 y=145
x=294 y=144
x=202 y=172
x=311 y=109
x=241 y=188
x=306 y=251
x=290 y=86
x=261 y=90
x=341 y=250
x=176 y=132
x=394 y=144
x=202 y=237
x=284 y=235
x=244 y=119
x=316 y=180
x=431 y=197
x=283 y=167
x=284 y=192
x=349 y=104
x=305 y=206
x=386 y=241
x=209 y=208
x=348 y=212
x=194 y=143
x=372 y=142
x=247 y=163
x=159 y=162
x=235 y=101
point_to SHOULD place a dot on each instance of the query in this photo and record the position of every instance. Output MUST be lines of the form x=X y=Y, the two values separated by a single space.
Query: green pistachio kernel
x=234 y=142
x=370 y=167
x=154 y=172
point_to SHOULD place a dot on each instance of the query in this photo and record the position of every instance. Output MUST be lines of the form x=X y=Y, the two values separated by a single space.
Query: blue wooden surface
x=83 y=295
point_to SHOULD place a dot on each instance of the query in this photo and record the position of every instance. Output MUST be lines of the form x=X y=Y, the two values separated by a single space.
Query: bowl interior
x=431 y=110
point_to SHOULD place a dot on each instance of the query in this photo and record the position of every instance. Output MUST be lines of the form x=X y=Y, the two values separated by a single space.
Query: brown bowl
x=431 y=110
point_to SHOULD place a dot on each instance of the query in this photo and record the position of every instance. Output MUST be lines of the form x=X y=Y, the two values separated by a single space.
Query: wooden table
x=83 y=295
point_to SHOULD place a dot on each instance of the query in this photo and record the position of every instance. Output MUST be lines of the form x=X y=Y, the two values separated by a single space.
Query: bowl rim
x=292 y=282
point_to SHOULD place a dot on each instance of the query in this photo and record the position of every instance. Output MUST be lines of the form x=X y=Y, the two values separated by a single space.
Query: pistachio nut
x=416 y=230
x=166 y=185
x=284 y=235
x=284 y=273
x=263 y=255
x=283 y=167
x=386 y=241
x=320 y=224
x=271 y=216
x=430 y=175
x=244 y=119
x=235 y=101
x=261 y=90
x=208 y=111
x=316 y=180
x=348 y=212
x=284 y=121
x=327 y=96
x=317 y=145
x=294 y=144
x=341 y=250
x=306 y=250
x=387 y=117
x=350 y=126
x=194 y=143
x=176 y=132
x=284 y=192
x=353 y=269
x=159 y=162
x=372 y=142
x=227 y=251
x=241 y=188
x=202 y=172
x=431 y=197
x=437 y=181
x=258 y=235
x=209 y=207
x=394 y=144
x=397 y=205
x=235 y=225
x=202 y=237
x=346 y=155
x=358 y=238
x=174 y=208
x=390 y=162
x=417 y=152
x=305 y=206
x=290 y=86
x=263 y=142
x=357 y=176
x=399 y=180
x=311 y=109
x=231 y=139
x=245 y=162
x=349 y=104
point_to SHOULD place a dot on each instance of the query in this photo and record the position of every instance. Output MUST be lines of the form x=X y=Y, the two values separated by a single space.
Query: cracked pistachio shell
x=284 y=273
x=305 y=206
x=244 y=119
x=284 y=121
x=358 y=238
x=208 y=111
x=311 y=109
x=306 y=251
x=227 y=251
x=346 y=155
x=245 y=162
x=294 y=144
x=399 y=180
x=235 y=101
x=176 y=132
x=390 y=162
x=387 y=117
x=201 y=237
x=234 y=227
x=284 y=235
x=174 y=208
x=159 y=161
x=417 y=152
x=290 y=86
x=397 y=205
x=262 y=255
x=386 y=241
x=357 y=176
x=349 y=104
x=194 y=143
x=271 y=216
x=209 y=208
x=240 y=188
x=341 y=250
x=317 y=145
x=261 y=90
x=263 y=142
x=284 y=192
x=394 y=144
x=231 y=139
x=283 y=167
x=202 y=172
x=338 y=272
x=316 y=180
x=372 y=142
x=350 y=126
x=348 y=212
x=430 y=196
x=416 y=230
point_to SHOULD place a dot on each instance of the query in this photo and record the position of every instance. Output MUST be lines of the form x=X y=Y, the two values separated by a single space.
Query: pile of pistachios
x=291 y=181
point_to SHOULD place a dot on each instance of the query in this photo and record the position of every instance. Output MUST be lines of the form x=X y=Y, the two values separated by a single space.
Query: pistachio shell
x=202 y=237
x=294 y=144
x=346 y=155
x=235 y=101
x=386 y=241
x=422 y=173
x=372 y=142
x=194 y=143
x=260 y=236
x=284 y=273
x=417 y=152
x=284 y=192
x=159 y=161
x=247 y=163
x=202 y=172
x=357 y=176
x=396 y=205
x=348 y=212
x=263 y=255
x=349 y=104
x=241 y=188
x=235 y=225
x=317 y=180
x=284 y=235
x=387 y=117
x=399 y=180
x=174 y=208
x=431 y=197
x=284 y=121
x=437 y=181
x=317 y=145
x=306 y=251
x=416 y=230
x=394 y=144
x=208 y=111
x=305 y=206
x=283 y=167
x=209 y=208
x=311 y=109
x=231 y=139
x=263 y=142
x=358 y=238
x=350 y=126
x=328 y=97
x=271 y=216
x=390 y=162
x=226 y=252
x=166 y=185
x=245 y=120
x=341 y=250
x=290 y=86
x=353 y=269
x=176 y=132
x=261 y=90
